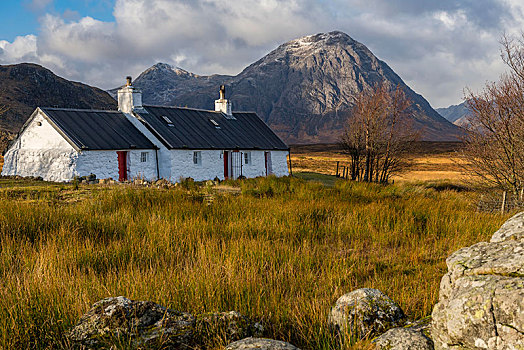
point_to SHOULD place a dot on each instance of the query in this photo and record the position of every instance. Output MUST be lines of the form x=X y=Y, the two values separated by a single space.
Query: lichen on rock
x=403 y=339
x=364 y=313
x=143 y=324
x=481 y=301
x=260 y=344
x=120 y=320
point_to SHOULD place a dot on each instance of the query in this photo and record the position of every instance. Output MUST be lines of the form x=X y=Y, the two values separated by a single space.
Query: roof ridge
x=186 y=108
x=80 y=110
x=194 y=109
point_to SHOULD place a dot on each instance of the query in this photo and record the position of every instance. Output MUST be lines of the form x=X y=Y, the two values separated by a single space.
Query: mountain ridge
x=25 y=86
x=303 y=89
x=456 y=114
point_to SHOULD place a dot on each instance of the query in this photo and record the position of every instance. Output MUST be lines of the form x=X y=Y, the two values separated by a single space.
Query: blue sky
x=437 y=47
x=21 y=17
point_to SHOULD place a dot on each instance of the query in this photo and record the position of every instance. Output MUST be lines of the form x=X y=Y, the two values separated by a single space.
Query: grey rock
x=511 y=229
x=136 y=323
x=481 y=300
x=403 y=339
x=215 y=328
x=365 y=312
x=261 y=344
x=144 y=324
x=304 y=89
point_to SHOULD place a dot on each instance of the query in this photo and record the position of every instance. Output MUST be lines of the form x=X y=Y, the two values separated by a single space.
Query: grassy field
x=281 y=250
x=429 y=161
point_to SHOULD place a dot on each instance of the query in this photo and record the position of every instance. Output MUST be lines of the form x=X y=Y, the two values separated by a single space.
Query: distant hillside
x=304 y=89
x=25 y=86
x=456 y=113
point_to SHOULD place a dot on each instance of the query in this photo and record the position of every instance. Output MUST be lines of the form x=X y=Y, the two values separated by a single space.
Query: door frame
x=226 y=165
x=123 y=171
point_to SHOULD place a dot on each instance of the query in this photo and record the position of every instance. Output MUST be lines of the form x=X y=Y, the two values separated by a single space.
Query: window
x=168 y=121
x=214 y=123
x=144 y=157
x=247 y=157
x=197 y=157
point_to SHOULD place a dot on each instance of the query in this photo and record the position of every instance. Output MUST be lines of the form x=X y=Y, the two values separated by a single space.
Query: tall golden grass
x=283 y=251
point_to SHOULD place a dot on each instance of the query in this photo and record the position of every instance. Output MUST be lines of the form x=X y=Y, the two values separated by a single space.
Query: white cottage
x=149 y=142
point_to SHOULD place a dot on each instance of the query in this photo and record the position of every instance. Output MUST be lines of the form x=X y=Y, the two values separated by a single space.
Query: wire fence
x=500 y=202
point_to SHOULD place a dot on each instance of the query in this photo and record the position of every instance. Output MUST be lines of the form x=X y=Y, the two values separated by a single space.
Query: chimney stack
x=223 y=105
x=129 y=97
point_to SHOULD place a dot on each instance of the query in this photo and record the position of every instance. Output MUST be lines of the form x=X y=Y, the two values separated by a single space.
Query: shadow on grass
x=327 y=180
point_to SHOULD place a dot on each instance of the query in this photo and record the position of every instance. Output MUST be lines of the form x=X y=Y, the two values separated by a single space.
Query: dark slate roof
x=195 y=129
x=97 y=130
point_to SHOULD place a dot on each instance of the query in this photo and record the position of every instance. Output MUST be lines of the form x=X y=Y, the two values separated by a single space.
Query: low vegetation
x=279 y=250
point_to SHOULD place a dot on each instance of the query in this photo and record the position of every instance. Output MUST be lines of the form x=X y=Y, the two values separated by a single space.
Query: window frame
x=144 y=157
x=197 y=157
x=247 y=158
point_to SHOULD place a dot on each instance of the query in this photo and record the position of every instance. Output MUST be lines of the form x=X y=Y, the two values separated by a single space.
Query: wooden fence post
x=503 y=202
x=337 y=167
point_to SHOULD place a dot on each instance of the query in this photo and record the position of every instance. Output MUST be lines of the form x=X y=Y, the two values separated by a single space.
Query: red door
x=226 y=164
x=122 y=165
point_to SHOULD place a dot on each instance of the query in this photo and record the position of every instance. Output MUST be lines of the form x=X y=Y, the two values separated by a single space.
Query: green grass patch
x=328 y=180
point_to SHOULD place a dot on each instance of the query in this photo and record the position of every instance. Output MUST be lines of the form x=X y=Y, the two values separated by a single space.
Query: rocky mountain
x=303 y=89
x=456 y=113
x=25 y=86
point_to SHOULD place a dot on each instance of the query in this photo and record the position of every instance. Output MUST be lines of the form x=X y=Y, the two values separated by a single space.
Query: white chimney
x=223 y=105
x=129 y=97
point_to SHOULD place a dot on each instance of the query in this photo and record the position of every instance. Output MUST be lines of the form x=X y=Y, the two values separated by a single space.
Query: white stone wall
x=164 y=155
x=279 y=163
x=176 y=164
x=182 y=166
x=104 y=164
x=41 y=151
x=144 y=170
x=212 y=165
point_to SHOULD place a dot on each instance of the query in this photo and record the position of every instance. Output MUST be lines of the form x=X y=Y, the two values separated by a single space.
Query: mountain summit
x=303 y=89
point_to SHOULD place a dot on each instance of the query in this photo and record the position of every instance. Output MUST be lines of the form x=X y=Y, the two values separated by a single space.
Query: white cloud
x=39 y=4
x=22 y=48
x=436 y=47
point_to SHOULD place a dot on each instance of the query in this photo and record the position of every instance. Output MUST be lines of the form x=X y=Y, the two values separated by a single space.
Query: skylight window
x=214 y=123
x=167 y=119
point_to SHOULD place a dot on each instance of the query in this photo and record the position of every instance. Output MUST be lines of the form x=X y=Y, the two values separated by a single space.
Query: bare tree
x=378 y=133
x=494 y=144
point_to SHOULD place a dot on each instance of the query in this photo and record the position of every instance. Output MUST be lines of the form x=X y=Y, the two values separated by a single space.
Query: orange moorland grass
x=429 y=161
x=282 y=251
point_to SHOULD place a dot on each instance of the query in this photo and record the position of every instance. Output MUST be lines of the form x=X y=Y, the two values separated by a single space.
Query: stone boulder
x=144 y=324
x=481 y=301
x=260 y=344
x=511 y=229
x=365 y=312
x=403 y=339
x=136 y=323
x=224 y=327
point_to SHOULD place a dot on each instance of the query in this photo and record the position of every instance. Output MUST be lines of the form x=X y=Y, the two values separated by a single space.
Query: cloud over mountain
x=437 y=47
